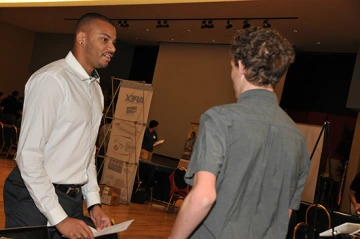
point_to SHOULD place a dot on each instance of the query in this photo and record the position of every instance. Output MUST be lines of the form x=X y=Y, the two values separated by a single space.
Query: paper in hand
x=112 y=229
x=159 y=142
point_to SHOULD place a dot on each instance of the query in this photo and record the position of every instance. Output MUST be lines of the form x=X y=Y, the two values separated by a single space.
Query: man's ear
x=81 y=37
x=241 y=68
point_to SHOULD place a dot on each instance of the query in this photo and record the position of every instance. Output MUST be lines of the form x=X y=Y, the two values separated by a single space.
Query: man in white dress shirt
x=55 y=159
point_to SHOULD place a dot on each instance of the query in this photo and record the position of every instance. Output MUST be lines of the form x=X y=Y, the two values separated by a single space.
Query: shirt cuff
x=56 y=215
x=92 y=198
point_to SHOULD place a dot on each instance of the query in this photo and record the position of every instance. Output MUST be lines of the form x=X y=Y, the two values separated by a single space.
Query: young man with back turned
x=250 y=162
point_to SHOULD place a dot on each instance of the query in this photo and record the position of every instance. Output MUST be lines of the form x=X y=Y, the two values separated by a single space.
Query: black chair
x=12 y=133
x=8 y=119
x=2 y=137
x=311 y=228
x=38 y=232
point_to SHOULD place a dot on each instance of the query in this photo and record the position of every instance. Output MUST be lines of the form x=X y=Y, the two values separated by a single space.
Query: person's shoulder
x=53 y=71
x=54 y=68
x=219 y=113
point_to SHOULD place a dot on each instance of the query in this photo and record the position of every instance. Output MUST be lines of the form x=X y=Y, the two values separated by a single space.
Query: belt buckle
x=72 y=191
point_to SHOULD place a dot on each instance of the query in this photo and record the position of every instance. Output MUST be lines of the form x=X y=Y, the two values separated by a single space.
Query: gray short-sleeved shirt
x=260 y=159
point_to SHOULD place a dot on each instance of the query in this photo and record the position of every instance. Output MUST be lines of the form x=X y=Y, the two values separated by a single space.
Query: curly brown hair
x=264 y=53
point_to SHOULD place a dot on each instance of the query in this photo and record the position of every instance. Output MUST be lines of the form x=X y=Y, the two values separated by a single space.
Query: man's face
x=100 y=46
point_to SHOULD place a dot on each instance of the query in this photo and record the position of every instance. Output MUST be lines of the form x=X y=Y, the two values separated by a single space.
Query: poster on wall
x=190 y=141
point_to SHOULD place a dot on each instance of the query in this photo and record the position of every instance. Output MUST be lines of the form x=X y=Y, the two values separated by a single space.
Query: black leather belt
x=69 y=189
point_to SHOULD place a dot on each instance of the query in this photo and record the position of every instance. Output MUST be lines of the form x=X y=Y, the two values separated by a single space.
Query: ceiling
x=322 y=25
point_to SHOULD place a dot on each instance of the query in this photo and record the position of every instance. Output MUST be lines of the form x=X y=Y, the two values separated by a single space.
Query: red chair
x=179 y=188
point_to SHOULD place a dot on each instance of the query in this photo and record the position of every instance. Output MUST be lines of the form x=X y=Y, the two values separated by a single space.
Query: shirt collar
x=258 y=93
x=79 y=70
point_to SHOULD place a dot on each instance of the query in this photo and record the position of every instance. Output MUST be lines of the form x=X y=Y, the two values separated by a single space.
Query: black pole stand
x=326 y=128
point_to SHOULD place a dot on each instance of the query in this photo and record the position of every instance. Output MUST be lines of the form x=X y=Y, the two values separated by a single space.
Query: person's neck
x=81 y=59
x=255 y=87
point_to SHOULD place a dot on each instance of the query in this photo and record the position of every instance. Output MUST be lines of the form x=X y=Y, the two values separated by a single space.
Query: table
x=156 y=176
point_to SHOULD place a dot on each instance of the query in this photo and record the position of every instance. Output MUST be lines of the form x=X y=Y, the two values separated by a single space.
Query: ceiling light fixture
x=209 y=24
x=228 y=24
x=159 y=25
x=266 y=24
x=246 y=24
x=203 y=24
x=123 y=24
x=163 y=25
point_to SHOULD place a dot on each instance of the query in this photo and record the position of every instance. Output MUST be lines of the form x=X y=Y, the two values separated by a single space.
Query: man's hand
x=74 y=229
x=99 y=218
x=357 y=209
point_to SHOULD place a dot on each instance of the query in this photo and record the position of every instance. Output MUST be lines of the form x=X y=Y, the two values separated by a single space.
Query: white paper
x=113 y=229
x=159 y=142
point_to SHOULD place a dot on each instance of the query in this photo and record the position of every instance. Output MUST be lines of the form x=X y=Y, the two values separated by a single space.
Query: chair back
x=323 y=220
x=13 y=134
x=179 y=175
x=8 y=119
x=301 y=231
x=2 y=137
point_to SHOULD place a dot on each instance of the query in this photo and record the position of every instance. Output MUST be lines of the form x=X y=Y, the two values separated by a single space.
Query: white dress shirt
x=61 y=117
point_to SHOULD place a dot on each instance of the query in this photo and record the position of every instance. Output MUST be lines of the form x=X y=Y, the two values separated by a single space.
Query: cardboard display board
x=126 y=136
x=121 y=175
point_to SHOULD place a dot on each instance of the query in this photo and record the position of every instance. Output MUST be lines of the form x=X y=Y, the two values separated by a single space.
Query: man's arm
x=44 y=97
x=353 y=200
x=196 y=205
x=92 y=197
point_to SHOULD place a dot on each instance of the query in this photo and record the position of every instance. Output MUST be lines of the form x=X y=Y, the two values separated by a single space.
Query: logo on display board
x=131 y=110
x=134 y=98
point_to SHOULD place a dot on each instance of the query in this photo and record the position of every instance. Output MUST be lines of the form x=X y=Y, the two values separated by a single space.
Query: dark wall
x=143 y=65
x=319 y=83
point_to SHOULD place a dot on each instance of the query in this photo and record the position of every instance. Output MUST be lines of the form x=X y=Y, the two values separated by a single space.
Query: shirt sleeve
x=91 y=189
x=210 y=145
x=302 y=177
x=44 y=97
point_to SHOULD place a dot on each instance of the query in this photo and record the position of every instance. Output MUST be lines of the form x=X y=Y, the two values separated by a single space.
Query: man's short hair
x=264 y=53
x=15 y=93
x=86 y=19
x=153 y=123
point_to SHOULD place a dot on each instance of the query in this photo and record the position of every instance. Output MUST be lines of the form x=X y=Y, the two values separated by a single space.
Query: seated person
x=189 y=145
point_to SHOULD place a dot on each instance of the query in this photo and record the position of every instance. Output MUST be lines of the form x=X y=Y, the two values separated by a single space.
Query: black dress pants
x=21 y=211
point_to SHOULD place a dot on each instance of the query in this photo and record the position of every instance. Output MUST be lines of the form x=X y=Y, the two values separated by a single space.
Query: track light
x=203 y=24
x=123 y=24
x=246 y=24
x=164 y=25
x=209 y=24
x=228 y=24
x=266 y=24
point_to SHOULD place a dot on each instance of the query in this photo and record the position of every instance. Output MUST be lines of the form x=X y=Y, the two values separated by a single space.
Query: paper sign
x=113 y=229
